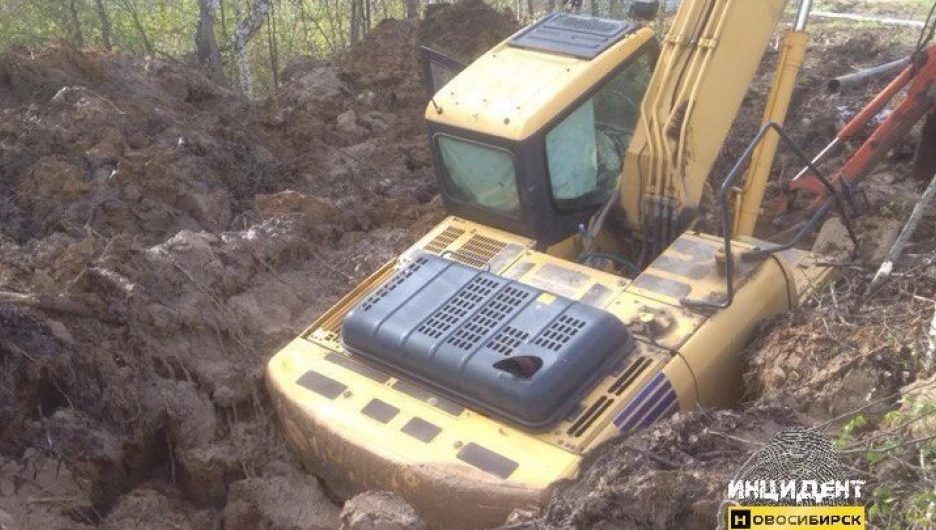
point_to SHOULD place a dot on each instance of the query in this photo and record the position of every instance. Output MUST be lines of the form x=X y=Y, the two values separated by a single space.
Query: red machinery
x=919 y=77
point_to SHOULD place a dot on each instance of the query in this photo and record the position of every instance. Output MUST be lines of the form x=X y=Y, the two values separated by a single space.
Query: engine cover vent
x=391 y=284
x=479 y=251
x=499 y=346
x=443 y=240
x=630 y=374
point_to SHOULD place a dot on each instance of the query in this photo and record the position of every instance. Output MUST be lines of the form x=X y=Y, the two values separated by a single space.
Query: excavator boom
x=707 y=62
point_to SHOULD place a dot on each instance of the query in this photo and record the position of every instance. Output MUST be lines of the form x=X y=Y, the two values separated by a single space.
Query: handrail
x=726 y=214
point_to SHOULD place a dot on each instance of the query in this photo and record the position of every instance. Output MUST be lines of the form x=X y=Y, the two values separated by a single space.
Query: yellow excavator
x=569 y=298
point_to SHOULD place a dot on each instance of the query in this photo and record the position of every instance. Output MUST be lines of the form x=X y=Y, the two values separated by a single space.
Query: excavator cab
x=530 y=138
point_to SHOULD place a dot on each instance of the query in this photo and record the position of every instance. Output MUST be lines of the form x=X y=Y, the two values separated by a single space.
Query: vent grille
x=559 y=333
x=585 y=421
x=507 y=340
x=399 y=278
x=331 y=331
x=443 y=240
x=460 y=305
x=469 y=334
x=493 y=313
x=328 y=333
x=630 y=375
x=331 y=337
x=478 y=251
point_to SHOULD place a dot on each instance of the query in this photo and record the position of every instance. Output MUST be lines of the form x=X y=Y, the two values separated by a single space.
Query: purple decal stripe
x=665 y=408
x=653 y=402
x=640 y=398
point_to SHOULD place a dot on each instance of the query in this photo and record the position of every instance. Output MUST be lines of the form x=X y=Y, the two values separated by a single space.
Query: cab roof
x=518 y=86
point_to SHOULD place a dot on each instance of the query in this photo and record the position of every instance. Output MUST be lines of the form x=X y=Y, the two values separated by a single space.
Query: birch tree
x=357 y=19
x=245 y=29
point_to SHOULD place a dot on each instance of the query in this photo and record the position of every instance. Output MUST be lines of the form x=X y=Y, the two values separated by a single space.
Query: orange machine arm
x=920 y=101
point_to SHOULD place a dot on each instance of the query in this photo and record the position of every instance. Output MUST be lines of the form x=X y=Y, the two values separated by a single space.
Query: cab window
x=479 y=174
x=585 y=150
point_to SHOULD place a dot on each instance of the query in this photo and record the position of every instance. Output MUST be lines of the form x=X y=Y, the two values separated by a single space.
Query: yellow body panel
x=523 y=90
x=696 y=352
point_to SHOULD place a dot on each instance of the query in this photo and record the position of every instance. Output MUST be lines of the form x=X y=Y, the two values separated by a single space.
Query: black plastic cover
x=575 y=35
x=645 y=9
x=494 y=344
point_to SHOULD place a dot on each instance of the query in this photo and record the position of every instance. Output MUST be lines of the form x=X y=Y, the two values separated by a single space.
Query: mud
x=679 y=468
x=379 y=510
x=171 y=236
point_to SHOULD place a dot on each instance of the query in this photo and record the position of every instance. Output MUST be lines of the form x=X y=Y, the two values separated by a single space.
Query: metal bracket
x=726 y=214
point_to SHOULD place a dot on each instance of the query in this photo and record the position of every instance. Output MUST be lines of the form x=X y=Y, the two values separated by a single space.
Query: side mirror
x=645 y=9
x=438 y=69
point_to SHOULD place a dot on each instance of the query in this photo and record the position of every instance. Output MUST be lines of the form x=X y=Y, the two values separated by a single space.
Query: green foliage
x=897 y=504
x=30 y=23
x=848 y=430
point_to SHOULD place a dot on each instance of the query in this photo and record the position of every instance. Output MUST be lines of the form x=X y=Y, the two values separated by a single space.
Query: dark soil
x=170 y=236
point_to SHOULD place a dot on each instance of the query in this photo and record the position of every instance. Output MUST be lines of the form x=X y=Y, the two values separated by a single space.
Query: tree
x=74 y=24
x=357 y=20
x=412 y=8
x=243 y=32
x=206 y=48
x=273 y=46
x=147 y=45
x=105 y=24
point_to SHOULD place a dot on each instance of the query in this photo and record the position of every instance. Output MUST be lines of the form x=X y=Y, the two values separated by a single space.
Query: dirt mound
x=479 y=28
x=680 y=468
x=118 y=145
x=279 y=503
x=122 y=145
x=159 y=238
x=368 y=106
x=379 y=510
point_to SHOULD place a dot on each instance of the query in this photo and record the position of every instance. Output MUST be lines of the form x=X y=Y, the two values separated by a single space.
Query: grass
x=909 y=9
